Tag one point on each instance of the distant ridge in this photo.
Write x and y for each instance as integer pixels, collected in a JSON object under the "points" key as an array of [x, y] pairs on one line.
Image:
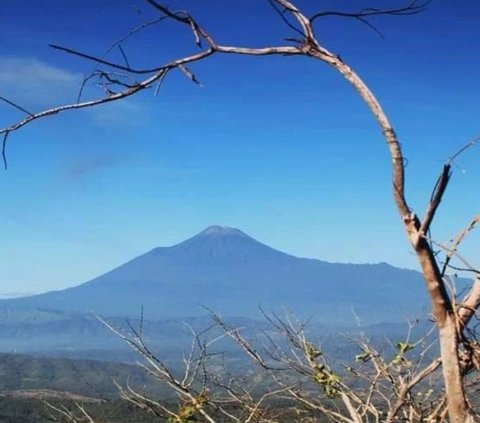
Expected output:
{"points": [[231, 272]]}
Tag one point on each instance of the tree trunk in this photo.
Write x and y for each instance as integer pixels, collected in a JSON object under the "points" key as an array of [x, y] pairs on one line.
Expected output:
{"points": [[446, 321], [454, 389], [443, 309]]}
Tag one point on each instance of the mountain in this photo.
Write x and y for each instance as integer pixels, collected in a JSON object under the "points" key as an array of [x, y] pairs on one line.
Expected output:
{"points": [[231, 273]]}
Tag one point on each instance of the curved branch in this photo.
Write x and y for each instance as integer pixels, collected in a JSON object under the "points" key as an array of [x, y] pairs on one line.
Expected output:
{"points": [[301, 18], [387, 129], [470, 144], [413, 8], [147, 83], [103, 61], [285, 20]]}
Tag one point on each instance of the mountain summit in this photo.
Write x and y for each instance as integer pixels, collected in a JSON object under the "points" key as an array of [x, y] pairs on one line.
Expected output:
{"points": [[218, 246], [230, 272], [217, 230]]}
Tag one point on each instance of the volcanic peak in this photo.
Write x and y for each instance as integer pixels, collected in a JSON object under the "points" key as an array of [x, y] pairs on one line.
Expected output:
{"points": [[218, 230]]}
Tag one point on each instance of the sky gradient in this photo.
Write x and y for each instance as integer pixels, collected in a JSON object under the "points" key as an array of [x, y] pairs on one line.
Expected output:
{"points": [[281, 148]]}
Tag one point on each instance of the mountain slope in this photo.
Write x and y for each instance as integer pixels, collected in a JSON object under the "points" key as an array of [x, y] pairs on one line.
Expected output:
{"points": [[232, 273], [85, 377]]}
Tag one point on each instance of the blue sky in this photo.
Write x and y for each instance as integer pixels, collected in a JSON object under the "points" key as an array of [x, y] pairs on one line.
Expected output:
{"points": [[281, 148]]}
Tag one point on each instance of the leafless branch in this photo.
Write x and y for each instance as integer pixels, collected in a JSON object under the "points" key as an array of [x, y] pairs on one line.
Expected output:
{"points": [[457, 241], [437, 196], [413, 8], [15, 105], [282, 14], [466, 147], [105, 62]]}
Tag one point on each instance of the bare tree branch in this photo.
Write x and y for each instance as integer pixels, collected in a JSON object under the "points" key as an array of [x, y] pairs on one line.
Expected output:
{"points": [[412, 8], [437, 196], [15, 105]]}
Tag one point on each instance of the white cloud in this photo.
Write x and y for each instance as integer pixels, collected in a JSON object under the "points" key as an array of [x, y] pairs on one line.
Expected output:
{"points": [[120, 113], [35, 85], [32, 82], [8, 295]]}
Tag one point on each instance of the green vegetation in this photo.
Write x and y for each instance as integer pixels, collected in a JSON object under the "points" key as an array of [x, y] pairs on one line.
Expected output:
{"points": [[28, 383], [31, 410], [85, 377]]}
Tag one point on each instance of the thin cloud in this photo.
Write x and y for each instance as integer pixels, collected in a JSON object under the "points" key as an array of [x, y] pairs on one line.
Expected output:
{"points": [[122, 113], [9, 295], [34, 83]]}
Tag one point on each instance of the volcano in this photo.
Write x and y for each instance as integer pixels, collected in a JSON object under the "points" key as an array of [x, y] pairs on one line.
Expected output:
{"points": [[230, 272]]}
